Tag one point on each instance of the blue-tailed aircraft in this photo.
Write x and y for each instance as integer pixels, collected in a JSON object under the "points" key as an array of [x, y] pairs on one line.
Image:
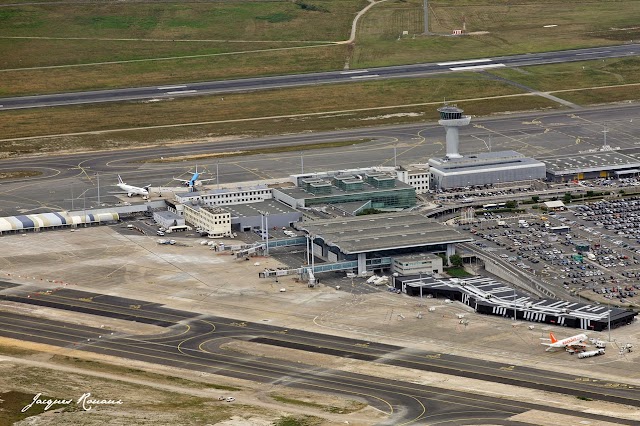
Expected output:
{"points": [[191, 183]]}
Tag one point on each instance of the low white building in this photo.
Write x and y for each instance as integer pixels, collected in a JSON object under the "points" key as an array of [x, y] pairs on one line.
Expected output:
{"points": [[226, 196], [416, 175], [167, 219], [216, 221], [423, 263]]}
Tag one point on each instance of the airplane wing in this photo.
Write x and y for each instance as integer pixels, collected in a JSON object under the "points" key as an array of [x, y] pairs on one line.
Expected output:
{"points": [[205, 180], [182, 180]]}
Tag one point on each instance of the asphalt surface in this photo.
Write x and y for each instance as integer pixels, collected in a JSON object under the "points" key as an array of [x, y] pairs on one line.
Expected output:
{"points": [[73, 177], [194, 341], [285, 81]]}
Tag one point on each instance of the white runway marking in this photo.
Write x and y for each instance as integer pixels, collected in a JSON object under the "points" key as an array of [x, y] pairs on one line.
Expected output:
{"points": [[180, 92], [354, 72], [470, 61]]}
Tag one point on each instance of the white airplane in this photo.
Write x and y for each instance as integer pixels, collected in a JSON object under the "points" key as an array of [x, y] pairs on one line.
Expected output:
{"points": [[133, 190], [570, 343], [191, 183]]}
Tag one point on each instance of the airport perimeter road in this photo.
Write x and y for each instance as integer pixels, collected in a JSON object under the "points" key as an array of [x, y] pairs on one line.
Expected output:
{"points": [[262, 83], [194, 341]]}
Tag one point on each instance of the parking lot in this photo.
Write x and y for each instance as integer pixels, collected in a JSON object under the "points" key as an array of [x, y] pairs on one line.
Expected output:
{"points": [[590, 250]]}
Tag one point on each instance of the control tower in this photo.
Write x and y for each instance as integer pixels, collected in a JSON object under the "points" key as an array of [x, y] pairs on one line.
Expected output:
{"points": [[451, 118]]}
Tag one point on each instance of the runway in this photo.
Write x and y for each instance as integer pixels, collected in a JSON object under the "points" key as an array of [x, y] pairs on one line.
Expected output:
{"points": [[70, 181], [286, 81], [194, 341]]}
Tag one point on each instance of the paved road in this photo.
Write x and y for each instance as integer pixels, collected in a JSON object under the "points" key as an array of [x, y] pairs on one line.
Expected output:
{"points": [[536, 134], [193, 341], [263, 83]]}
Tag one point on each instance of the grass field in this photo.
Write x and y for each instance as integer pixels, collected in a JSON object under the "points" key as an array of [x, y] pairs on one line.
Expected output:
{"points": [[20, 123], [84, 37], [398, 95], [313, 108], [511, 28], [575, 75], [65, 34], [16, 83], [136, 138]]}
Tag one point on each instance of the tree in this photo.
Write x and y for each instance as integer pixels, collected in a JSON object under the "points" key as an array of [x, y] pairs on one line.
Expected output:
{"points": [[455, 260], [511, 204], [567, 198], [535, 198]]}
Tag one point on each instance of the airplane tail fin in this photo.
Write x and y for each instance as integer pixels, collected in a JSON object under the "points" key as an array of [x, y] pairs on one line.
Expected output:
{"points": [[120, 179], [552, 337], [147, 187]]}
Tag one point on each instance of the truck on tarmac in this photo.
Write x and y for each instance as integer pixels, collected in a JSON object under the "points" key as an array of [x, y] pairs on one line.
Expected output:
{"points": [[589, 354]]}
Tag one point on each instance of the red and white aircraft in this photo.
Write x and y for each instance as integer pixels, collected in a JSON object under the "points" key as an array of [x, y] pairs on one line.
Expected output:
{"points": [[572, 343]]}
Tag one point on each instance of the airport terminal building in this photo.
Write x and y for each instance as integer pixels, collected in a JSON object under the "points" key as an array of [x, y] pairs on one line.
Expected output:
{"points": [[484, 168], [376, 239], [593, 165], [268, 213], [382, 189], [491, 297]]}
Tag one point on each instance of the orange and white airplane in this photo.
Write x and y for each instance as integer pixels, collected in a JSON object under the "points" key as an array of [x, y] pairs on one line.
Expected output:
{"points": [[570, 343]]}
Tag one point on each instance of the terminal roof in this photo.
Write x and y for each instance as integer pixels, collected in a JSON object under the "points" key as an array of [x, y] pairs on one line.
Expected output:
{"points": [[593, 162], [386, 231], [299, 193], [272, 207], [499, 294]]}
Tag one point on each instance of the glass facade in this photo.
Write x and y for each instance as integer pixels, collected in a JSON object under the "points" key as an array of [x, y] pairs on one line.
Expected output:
{"points": [[396, 198]]}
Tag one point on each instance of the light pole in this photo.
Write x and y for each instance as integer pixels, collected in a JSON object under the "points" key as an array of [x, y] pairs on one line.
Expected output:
{"points": [[395, 156], [514, 303], [217, 174], [301, 163], [98, 177], [266, 222], [609, 319]]}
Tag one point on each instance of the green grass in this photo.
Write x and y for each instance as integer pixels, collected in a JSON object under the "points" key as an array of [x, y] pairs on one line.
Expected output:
{"points": [[33, 81], [243, 153], [576, 75], [161, 30], [318, 100], [57, 34], [457, 272], [225, 20], [511, 28]]}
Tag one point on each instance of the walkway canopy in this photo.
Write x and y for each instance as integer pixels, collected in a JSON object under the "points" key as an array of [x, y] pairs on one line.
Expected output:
{"points": [[52, 220]]}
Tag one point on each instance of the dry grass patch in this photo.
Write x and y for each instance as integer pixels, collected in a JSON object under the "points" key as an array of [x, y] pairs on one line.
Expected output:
{"points": [[17, 174], [304, 100], [510, 28], [57, 80], [121, 31], [576, 75], [602, 95]]}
